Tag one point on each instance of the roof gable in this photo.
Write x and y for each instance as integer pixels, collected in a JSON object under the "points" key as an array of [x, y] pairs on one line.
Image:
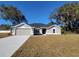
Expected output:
{"points": [[22, 25], [54, 27]]}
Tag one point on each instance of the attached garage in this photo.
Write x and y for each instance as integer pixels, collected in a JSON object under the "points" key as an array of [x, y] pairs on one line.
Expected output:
{"points": [[22, 29]]}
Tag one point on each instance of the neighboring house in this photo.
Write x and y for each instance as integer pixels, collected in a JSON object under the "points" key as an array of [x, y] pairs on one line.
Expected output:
{"points": [[35, 29], [4, 29], [56, 30]]}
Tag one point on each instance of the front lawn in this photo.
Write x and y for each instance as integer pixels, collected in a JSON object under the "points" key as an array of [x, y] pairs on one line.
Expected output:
{"points": [[50, 45], [2, 35]]}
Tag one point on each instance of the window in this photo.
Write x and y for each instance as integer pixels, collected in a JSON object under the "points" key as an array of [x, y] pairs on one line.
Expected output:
{"points": [[53, 30]]}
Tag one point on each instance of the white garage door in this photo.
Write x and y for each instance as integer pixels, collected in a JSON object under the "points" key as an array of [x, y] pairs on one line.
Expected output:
{"points": [[23, 31]]}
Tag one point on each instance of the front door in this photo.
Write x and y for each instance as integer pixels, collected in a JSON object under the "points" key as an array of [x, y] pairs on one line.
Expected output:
{"points": [[43, 31]]}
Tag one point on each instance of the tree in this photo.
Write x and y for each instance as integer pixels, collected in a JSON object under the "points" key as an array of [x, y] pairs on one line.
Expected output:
{"points": [[4, 27], [52, 23], [68, 14], [12, 14]]}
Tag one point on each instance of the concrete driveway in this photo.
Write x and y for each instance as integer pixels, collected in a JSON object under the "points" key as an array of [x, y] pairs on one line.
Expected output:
{"points": [[10, 44]]}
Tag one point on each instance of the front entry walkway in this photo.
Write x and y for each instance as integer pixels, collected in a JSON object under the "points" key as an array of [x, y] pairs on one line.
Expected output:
{"points": [[10, 44]]}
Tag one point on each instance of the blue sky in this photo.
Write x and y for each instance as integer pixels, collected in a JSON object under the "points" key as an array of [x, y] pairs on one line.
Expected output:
{"points": [[35, 12]]}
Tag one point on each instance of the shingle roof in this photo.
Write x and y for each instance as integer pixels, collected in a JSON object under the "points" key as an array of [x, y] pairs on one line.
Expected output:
{"points": [[38, 25]]}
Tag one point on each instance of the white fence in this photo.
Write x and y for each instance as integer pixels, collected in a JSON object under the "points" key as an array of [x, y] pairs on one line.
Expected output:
{"points": [[5, 31]]}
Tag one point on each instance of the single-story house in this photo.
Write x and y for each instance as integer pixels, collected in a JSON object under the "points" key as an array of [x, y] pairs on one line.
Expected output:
{"points": [[26, 29]]}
